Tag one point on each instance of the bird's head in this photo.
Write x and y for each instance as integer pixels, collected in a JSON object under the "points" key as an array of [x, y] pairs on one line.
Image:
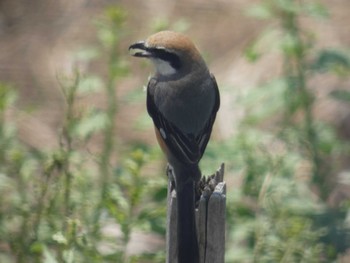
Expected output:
{"points": [[171, 52]]}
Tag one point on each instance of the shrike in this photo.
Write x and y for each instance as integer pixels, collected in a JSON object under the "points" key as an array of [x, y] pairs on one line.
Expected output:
{"points": [[182, 99]]}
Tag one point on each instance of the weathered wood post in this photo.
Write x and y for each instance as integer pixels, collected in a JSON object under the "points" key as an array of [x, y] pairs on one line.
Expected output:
{"points": [[210, 220]]}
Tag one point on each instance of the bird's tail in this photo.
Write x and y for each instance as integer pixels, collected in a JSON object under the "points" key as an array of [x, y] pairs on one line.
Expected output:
{"points": [[186, 177]]}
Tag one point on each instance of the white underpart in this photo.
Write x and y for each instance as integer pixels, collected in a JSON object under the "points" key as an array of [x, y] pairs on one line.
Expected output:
{"points": [[163, 67]]}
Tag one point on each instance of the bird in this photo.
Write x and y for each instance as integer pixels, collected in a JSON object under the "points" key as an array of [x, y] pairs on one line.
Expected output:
{"points": [[183, 100]]}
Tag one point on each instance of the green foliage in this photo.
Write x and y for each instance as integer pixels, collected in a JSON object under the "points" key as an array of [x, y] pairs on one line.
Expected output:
{"points": [[343, 95], [280, 212], [57, 204], [332, 60]]}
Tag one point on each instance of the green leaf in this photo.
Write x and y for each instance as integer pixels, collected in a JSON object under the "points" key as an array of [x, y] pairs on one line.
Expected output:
{"points": [[286, 6], [7, 96], [291, 45], [251, 53], [316, 9], [68, 255], [90, 124], [90, 84], [106, 36], [60, 238], [116, 15], [160, 194], [342, 95], [329, 59], [48, 256], [37, 247]]}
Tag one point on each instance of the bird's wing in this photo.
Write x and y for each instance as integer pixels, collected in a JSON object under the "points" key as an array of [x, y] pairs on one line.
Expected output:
{"points": [[182, 146], [186, 148], [203, 138]]}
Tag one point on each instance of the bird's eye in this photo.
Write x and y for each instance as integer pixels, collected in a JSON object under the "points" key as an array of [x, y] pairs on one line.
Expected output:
{"points": [[170, 57]]}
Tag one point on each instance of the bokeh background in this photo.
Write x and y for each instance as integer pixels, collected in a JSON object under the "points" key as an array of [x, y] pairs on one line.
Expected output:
{"points": [[81, 176]]}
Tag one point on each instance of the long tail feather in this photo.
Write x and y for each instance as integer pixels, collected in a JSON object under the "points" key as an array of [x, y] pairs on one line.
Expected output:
{"points": [[188, 251]]}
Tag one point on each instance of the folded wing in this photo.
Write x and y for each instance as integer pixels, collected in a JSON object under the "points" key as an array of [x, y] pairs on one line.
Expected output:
{"points": [[187, 148]]}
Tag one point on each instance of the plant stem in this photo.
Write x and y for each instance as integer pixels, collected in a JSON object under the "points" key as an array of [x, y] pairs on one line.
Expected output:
{"points": [[295, 70], [66, 147], [109, 132]]}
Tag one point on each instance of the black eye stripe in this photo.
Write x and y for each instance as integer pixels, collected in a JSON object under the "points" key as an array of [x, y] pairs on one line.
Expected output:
{"points": [[172, 58]]}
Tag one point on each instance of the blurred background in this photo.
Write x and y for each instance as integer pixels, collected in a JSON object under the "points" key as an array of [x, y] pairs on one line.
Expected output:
{"points": [[81, 176]]}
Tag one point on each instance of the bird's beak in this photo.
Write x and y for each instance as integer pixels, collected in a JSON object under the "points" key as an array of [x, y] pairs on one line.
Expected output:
{"points": [[139, 49]]}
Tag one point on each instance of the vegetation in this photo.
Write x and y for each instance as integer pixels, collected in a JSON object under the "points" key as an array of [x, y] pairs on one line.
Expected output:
{"points": [[280, 213], [58, 205]]}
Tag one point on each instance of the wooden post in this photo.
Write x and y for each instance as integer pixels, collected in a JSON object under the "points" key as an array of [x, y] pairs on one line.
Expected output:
{"points": [[171, 232], [210, 220]]}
